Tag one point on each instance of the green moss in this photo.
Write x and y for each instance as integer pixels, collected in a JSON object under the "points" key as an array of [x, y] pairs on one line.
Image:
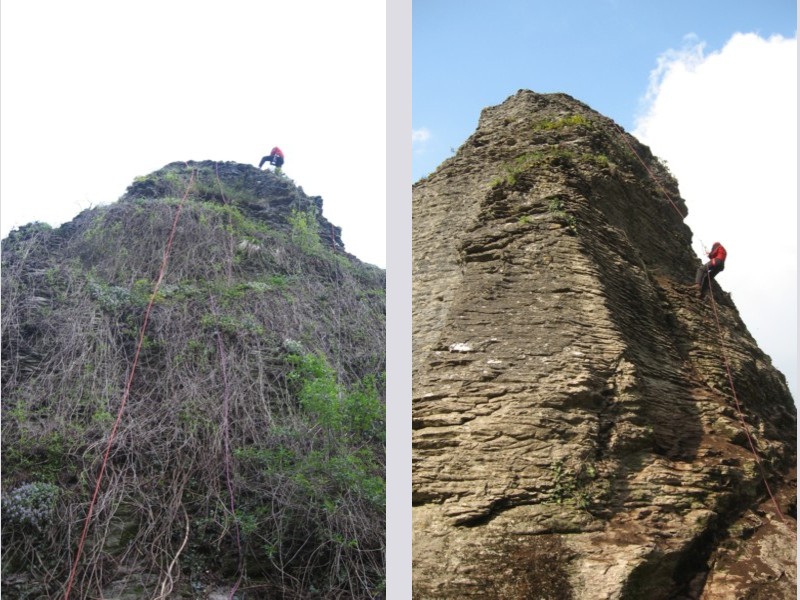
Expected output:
{"points": [[556, 208], [562, 122], [579, 487], [529, 160], [39, 457], [598, 159]]}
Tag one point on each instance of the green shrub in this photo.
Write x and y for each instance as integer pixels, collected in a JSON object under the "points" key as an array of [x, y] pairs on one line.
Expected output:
{"points": [[556, 207], [357, 411], [305, 231]]}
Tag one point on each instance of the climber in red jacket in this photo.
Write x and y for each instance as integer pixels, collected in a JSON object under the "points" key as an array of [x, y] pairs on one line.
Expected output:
{"points": [[275, 157], [709, 270]]}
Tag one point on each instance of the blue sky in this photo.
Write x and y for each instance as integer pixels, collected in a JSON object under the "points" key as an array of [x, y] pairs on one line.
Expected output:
{"points": [[470, 54], [710, 86]]}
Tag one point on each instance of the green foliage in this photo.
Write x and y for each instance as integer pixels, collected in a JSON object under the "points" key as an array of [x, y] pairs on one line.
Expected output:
{"points": [[102, 417], [305, 231], [19, 413], [563, 483], [358, 411], [322, 476], [599, 159], [111, 298], [233, 221], [163, 183], [522, 164], [569, 121], [578, 487], [529, 160], [142, 291], [41, 456], [308, 475], [665, 165], [555, 204], [556, 208], [319, 392], [209, 189], [241, 290], [178, 182], [29, 231], [350, 419], [278, 281], [323, 490]]}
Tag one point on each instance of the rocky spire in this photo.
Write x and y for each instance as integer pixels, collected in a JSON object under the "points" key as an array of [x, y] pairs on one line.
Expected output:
{"points": [[575, 431]]}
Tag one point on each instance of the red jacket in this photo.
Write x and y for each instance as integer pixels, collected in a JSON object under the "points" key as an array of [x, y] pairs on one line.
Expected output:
{"points": [[717, 254]]}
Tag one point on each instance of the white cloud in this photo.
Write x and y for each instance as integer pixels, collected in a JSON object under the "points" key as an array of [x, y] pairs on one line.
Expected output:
{"points": [[726, 122], [420, 135]]}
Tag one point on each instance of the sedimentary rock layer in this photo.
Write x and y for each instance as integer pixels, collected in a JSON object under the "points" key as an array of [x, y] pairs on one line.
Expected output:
{"points": [[575, 430]]}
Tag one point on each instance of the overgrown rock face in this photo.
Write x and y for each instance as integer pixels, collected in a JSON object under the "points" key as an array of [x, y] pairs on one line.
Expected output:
{"points": [[575, 432], [251, 447]]}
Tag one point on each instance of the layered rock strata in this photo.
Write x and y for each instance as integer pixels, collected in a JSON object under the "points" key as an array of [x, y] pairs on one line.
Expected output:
{"points": [[575, 431]]}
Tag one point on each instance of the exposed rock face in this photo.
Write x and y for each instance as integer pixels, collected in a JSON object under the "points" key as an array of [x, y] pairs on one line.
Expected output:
{"points": [[575, 433]]}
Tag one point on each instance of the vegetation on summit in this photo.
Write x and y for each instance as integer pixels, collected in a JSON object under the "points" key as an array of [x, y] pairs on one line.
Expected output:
{"points": [[263, 359]]}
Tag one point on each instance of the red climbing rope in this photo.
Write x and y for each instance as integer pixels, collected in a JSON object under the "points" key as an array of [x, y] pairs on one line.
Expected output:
{"points": [[722, 347], [126, 394], [739, 409], [652, 175]]}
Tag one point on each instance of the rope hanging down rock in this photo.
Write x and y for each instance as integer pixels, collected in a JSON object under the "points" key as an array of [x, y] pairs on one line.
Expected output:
{"points": [[721, 346], [112, 435]]}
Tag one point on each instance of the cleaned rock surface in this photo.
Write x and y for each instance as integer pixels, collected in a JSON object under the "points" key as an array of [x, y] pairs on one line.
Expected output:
{"points": [[576, 434]]}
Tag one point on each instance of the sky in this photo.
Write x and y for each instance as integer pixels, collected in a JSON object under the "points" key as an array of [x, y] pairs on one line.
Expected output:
{"points": [[710, 86], [96, 93]]}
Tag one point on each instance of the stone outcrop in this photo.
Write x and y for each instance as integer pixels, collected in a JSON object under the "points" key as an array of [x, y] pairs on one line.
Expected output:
{"points": [[576, 434]]}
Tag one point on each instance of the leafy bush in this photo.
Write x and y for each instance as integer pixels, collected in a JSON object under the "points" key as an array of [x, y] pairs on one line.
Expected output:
{"points": [[305, 231], [317, 492], [556, 208], [357, 411]]}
